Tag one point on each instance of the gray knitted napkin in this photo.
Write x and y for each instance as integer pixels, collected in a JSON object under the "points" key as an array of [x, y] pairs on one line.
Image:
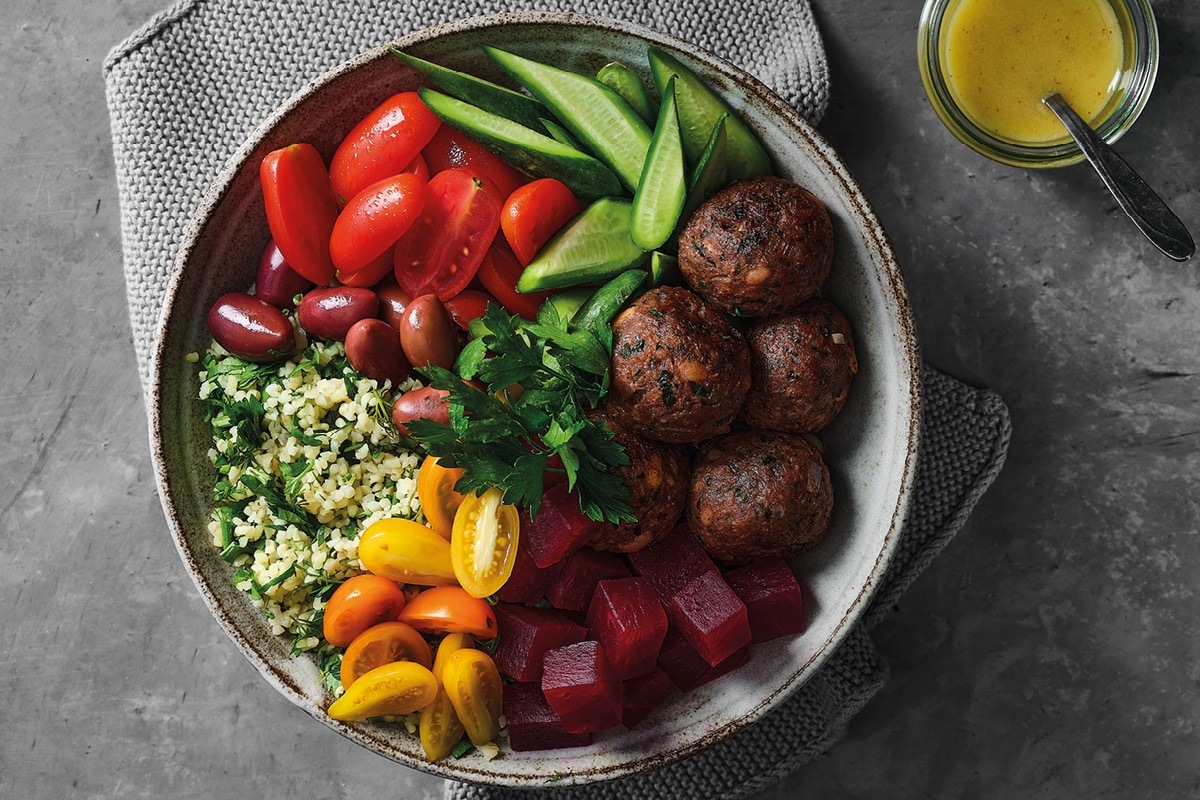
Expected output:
{"points": [[192, 84]]}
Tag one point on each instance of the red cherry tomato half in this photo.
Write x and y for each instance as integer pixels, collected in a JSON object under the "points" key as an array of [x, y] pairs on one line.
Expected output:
{"points": [[300, 209], [384, 143], [374, 219], [533, 213], [449, 149], [468, 304], [499, 273], [441, 252]]}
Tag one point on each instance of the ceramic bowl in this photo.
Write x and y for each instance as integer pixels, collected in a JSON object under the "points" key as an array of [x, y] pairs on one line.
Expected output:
{"points": [[872, 446]]}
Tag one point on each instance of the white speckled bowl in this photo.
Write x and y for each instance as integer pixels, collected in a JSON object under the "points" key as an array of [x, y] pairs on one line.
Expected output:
{"points": [[871, 447]]}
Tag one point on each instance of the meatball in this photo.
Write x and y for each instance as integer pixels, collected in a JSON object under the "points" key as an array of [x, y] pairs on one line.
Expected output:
{"points": [[758, 493], [680, 370], [758, 247], [801, 368], [657, 478]]}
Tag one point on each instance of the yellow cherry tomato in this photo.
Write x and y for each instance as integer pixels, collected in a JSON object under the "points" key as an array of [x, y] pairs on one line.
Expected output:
{"points": [[382, 644], [472, 682], [439, 726], [449, 609], [406, 551], [483, 544], [435, 490], [401, 687]]}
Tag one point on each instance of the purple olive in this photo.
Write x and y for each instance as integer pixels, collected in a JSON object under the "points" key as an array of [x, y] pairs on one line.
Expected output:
{"points": [[428, 333], [329, 312], [250, 328], [277, 282], [373, 348], [425, 403], [392, 302]]}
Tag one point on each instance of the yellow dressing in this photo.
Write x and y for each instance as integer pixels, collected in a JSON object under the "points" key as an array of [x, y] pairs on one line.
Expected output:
{"points": [[1003, 56]]}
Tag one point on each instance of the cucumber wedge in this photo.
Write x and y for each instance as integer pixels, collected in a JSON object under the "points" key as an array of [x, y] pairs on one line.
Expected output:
{"points": [[559, 133], [568, 301], [662, 190], [524, 148], [625, 82], [664, 270], [520, 108], [596, 115], [711, 172], [604, 303], [593, 247], [699, 109]]}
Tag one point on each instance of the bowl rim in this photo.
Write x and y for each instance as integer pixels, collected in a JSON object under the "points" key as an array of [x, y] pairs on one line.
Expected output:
{"points": [[890, 279]]}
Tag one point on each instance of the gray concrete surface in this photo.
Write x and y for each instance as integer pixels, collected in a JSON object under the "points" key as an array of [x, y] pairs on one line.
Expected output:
{"points": [[1050, 652]]}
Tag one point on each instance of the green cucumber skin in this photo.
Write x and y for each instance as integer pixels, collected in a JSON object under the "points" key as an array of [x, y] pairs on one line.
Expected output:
{"points": [[593, 247], [625, 82], [664, 270], [580, 103], [602, 306], [492, 97], [526, 149], [567, 302], [661, 192], [711, 172]]}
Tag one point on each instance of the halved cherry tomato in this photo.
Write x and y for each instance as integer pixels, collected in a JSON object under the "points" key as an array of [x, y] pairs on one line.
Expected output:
{"points": [[499, 273], [472, 682], [382, 644], [407, 552], [435, 490], [534, 213], [441, 252], [439, 726], [449, 609], [382, 144], [300, 209], [372, 274], [374, 219], [449, 149], [483, 543], [359, 603], [400, 687]]}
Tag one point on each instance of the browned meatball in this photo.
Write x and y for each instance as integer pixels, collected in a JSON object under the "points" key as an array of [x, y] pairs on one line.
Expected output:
{"points": [[759, 493], [758, 247], [802, 365], [680, 370], [657, 477]]}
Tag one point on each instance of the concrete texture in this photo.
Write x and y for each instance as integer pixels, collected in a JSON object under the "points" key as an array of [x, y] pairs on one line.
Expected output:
{"points": [[1051, 651]]}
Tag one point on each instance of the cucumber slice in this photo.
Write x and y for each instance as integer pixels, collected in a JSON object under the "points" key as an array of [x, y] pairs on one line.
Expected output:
{"points": [[711, 172], [661, 192], [625, 82], [592, 112], [664, 270], [699, 109], [520, 108], [560, 134], [524, 148], [568, 301], [604, 303], [593, 247]]}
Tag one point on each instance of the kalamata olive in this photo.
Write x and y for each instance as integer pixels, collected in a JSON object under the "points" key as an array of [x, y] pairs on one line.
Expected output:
{"points": [[330, 311], [250, 327], [277, 283], [424, 403], [373, 348], [392, 302], [428, 334]]}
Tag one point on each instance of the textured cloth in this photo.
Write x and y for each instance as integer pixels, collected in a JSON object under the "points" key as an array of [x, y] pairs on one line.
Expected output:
{"points": [[192, 84]]}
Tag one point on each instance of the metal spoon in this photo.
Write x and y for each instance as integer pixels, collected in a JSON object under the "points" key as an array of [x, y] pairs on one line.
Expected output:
{"points": [[1144, 207]]}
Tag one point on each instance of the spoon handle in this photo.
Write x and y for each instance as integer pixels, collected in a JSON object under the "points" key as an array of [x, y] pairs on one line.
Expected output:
{"points": [[1144, 207]]}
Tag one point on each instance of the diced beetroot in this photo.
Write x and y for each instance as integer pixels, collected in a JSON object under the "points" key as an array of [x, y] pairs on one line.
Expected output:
{"points": [[644, 694], [582, 688], [526, 633], [529, 582], [581, 571], [673, 561], [532, 723], [773, 598], [685, 666], [710, 616], [559, 529], [626, 617]]}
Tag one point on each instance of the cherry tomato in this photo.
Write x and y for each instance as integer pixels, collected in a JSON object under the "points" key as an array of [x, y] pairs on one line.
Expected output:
{"points": [[533, 213], [382, 144], [407, 552], [483, 542], [499, 273], [449, 149], [435, 490], [472, 682], [469, 304], [359, 603], [449, 609], [441, 252], [418, 167], [400, 687], [372, 274], [382, 644], [439, 726], [374, 219], [300, 209]]}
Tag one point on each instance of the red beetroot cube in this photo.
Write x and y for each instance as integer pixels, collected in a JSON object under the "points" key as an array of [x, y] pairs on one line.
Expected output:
{"points": [[673, 561], [581, 571], [710, 616], [687, 669], [773, 598], [582, 688], [626, 617], [529, 582], [559, 529], [526, 633], [532, 723], [644, 694]]}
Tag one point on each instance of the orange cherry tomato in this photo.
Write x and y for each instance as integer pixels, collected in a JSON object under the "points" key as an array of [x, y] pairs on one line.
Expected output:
{"points": [[499, 273], [439, 727], [407, 552], [359, 603], [300, 209], [450, 149], [400, 687], [472, 682], [449, 609], [384, 143], [435, 490], [533, 213], [382, 644], [483, 542], [374, 219]]}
